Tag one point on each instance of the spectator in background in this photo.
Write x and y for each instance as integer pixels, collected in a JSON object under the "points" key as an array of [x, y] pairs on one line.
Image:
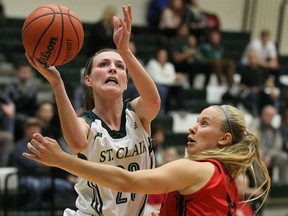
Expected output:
{"points": [[34, 177], [101, 33], [171, 17], [170, 154], [7, 111], [255, 93], [186, 57], [267, 52], [272, 152], [46, 117], [154, 10], [165, 76], [214, 54], [158, 136], [23, 93], [196, 20]]}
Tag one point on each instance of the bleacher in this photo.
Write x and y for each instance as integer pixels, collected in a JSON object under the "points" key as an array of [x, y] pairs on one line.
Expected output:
{"points": [[147, 42]]}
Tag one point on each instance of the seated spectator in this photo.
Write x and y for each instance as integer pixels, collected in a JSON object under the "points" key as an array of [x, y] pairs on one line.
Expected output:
{"points": [[23, 94], [7, 111], [170, 154], [214, 54], [158, 135], [186, 57], [47, 120], [154, 10], [253, 93], [272, 152], [267, 52], [101, 32], [35, 178], [196, 20], [171, 17], [165, 76]]}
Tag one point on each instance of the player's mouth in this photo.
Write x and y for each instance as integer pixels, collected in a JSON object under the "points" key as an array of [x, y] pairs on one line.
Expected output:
{"points": [[111, 79], [190, 140]]}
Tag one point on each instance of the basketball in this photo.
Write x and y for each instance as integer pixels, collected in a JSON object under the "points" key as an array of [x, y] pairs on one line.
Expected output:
{"points": [[53, 34]]}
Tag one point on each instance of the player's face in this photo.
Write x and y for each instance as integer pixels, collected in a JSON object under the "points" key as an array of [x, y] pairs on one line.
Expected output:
{"points": [[108, 73], [205, 134]]}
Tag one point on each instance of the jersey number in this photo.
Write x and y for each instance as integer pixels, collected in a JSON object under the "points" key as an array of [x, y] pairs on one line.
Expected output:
{"points": [[119, 198]]}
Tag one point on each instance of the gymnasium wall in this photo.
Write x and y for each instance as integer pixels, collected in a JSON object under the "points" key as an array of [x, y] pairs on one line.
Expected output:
{"points": [[90, 10], [234, 15]]}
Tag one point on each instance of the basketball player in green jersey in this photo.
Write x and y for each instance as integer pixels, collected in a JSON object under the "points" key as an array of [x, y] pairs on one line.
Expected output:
{"points": [[111, 131]]}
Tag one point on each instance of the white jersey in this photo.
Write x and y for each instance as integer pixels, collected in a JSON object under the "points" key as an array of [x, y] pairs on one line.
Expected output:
{"points": [[129, 148]]}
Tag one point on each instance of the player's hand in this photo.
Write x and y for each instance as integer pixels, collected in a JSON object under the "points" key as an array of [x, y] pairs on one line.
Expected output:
{"points": [[50, 73], [44, 150], [122, 29]]}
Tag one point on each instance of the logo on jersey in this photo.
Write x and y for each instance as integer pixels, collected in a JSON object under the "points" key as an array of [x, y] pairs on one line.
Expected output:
{"points": [[135, 125], [98, 134], [124, 152]]}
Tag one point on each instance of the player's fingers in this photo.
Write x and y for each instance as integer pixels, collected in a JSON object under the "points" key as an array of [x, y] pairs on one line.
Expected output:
{"points": [[31, 156], [38, 137], [32, 148], [123, 25], [127, 18], [116, 23], [130, 12]]}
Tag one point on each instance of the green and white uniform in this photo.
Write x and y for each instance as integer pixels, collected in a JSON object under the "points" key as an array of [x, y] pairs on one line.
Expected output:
{"points": [[129, 148]]}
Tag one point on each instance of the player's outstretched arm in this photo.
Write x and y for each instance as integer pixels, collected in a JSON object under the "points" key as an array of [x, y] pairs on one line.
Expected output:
{"points": [[160, 180], [147, 105]]}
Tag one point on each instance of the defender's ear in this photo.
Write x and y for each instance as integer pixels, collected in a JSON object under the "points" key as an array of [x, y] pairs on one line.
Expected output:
{"points": [[226, 139]]}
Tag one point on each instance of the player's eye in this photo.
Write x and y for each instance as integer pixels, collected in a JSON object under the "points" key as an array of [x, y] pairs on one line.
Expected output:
{"points": [[103, 64], [121, 66]]}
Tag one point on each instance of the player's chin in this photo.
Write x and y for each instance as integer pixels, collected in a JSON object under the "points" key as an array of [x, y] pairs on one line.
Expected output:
{"points": [[191, 149]]}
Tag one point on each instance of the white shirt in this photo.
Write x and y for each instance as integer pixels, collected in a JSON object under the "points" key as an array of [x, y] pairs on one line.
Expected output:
{"points": [[264, 52], [165, 75]]}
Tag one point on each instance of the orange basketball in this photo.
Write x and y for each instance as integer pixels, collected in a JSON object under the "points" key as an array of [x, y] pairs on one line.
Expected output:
{"points": [[53, 34]]}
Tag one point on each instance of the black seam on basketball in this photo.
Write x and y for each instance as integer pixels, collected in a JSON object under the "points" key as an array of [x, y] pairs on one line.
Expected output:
{"points": [[44, 32], [62, 33], [76, 33], [52, 13], [43, 15]]}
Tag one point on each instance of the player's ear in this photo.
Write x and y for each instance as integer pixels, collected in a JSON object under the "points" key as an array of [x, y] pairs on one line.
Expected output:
{"points": [[88, 81], [226, 139]]}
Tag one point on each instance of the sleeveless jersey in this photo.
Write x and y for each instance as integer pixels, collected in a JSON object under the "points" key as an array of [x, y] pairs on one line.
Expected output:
{"points": [[217, 198], [130, 148]]}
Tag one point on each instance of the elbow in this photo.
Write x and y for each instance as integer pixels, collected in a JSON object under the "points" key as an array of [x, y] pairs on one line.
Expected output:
{"points": [[77, 145], [156, 103], [77, 149]]}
